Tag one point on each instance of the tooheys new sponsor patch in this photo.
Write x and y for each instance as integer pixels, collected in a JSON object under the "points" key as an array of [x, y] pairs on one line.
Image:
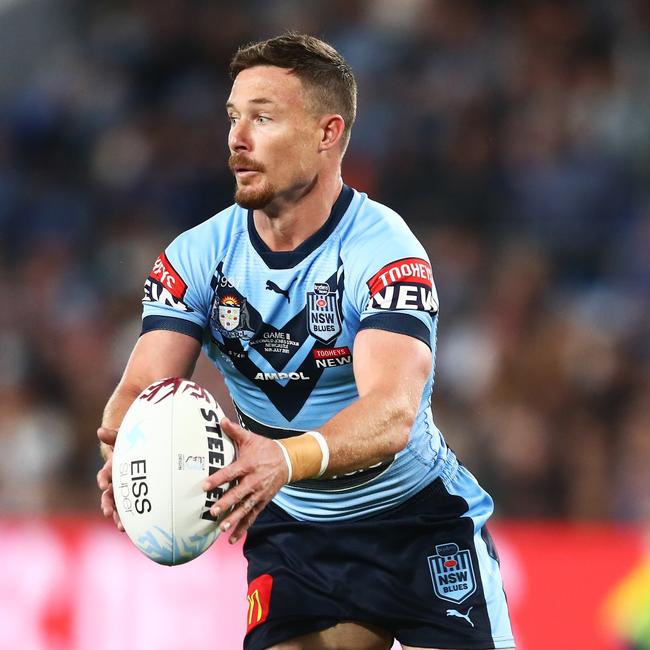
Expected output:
{"points": [[165, 285], [404, 284]]}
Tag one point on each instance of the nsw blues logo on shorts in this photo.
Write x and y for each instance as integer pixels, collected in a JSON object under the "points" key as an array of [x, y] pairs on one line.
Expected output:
{"points": [[452, 573]]}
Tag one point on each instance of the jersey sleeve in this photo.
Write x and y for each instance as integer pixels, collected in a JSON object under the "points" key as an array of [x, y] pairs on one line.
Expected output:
{"points": [[176, 293], [393, 284]]}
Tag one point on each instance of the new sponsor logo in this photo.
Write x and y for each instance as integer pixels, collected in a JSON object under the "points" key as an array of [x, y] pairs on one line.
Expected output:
{"points": [[166, 275], [405, 296], [452, 573], [404, 284], [259, 598], [323, 318], [332, 357]]}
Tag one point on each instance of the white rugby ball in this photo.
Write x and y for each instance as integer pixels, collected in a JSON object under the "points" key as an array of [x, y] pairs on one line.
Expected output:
{"points": [[170, 441]]}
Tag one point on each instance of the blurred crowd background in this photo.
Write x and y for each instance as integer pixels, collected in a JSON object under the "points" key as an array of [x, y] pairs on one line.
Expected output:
{"points": [[513, 137]]}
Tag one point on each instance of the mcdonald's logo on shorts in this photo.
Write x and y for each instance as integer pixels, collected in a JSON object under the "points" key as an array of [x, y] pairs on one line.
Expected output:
{"points": [[259, 597]]}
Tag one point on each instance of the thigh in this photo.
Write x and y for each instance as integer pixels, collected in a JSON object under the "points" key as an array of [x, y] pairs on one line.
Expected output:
{"points": [[344, 636]]}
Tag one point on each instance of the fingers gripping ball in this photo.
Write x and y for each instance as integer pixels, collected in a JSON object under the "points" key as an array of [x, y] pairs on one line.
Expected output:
{"points": [[169, 443]]}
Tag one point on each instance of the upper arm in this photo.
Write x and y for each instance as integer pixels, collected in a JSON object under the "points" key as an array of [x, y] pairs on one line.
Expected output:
{"points": [[393, 293], [159, 354], [176, 308], [395, 365]]}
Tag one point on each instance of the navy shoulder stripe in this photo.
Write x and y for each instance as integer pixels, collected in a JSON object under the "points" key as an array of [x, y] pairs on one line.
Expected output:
{"points": [[399, 323], [171, 324]]}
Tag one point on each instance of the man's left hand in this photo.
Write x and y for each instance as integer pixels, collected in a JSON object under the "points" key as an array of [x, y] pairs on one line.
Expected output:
{"points": [[260, 470]]}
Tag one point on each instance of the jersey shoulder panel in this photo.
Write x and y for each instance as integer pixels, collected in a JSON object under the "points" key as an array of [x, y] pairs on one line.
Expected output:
{"points": [[179, 283], [387, 268]]}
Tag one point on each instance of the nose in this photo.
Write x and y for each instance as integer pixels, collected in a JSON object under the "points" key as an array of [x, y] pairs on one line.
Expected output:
{"points": [[239, 137]]}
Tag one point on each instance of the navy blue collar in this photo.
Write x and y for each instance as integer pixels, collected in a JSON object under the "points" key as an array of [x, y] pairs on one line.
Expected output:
{"points": [[288, 259]]}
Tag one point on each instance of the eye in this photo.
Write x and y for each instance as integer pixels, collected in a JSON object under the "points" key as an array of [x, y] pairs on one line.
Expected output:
{"points": [[232, 119], [263, 119]]}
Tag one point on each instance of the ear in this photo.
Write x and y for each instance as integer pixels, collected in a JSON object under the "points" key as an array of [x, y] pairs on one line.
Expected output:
{"points": [[331, 128]]}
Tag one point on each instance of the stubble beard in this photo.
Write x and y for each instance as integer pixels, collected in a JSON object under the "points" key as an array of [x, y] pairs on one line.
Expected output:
{"points": [[255, 199], [246, 195]]}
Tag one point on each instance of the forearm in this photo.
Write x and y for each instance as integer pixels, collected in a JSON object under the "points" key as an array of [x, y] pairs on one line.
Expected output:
{"points": [[116, 407], [369, 431], [118, 404], [376, 426], [156, 355]]}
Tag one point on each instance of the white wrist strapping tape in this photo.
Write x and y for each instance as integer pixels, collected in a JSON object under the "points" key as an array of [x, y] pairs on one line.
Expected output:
{"points": [[322, 443], [285, 453]]}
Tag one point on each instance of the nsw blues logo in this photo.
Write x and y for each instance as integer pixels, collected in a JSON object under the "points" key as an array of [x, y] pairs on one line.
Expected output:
{"points": [[323, 317], [452, 573]]}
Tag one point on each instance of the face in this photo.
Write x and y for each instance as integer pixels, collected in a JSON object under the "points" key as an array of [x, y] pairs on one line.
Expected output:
{"points": [[274, 137]]}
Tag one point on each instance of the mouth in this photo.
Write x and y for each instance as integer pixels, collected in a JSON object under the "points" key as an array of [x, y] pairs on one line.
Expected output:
{"points": [[242, 168], [244, 172]]}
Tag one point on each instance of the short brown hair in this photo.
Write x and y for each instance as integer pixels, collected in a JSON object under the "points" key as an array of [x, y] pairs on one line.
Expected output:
{"points": [[316, 63]]}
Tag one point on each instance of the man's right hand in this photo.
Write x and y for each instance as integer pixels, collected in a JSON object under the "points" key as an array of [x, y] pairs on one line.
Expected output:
{"points": [[104, 476]]}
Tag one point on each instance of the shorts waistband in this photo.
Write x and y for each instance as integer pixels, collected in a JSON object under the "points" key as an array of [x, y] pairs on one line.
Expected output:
{"points": [[449, 468]]}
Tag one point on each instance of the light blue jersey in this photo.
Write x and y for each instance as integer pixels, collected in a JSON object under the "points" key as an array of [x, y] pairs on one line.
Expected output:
{"points": [[280, 326]]}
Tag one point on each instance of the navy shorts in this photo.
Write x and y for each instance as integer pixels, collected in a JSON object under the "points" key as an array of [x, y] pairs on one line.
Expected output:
{"points": [[426, 571]]}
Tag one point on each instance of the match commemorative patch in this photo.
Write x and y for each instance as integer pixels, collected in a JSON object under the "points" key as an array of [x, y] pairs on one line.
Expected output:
{"points": [[452, 573], [404, 284]]}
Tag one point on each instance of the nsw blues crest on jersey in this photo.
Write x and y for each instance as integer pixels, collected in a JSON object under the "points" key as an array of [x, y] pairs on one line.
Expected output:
{"points": [[452, 573], [323, 316]]}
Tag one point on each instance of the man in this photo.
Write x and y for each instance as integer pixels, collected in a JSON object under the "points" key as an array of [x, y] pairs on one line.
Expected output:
{"points": [[318, 307]]}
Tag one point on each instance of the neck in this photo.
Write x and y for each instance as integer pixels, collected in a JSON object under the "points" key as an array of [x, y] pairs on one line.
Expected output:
{"points": [[292, 218]]}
